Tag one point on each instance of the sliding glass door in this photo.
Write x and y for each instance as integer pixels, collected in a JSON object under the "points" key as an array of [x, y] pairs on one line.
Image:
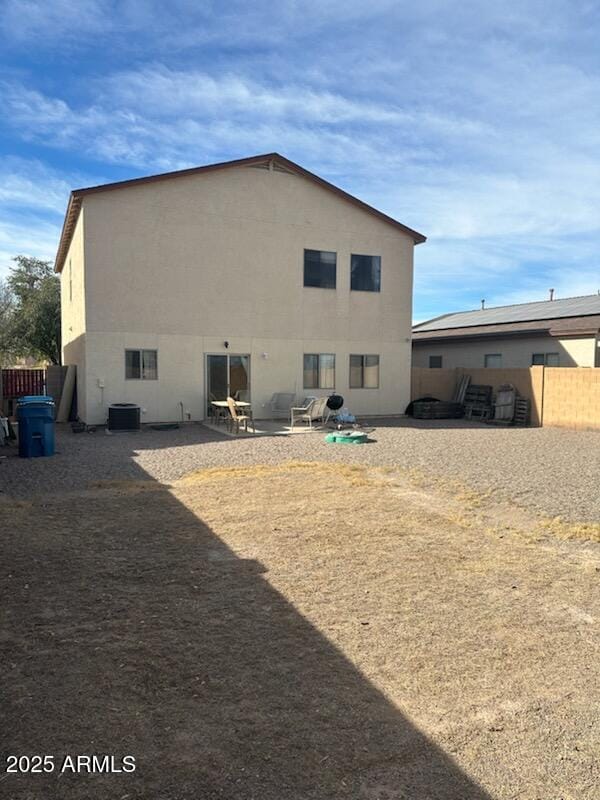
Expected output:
{"points": [[227, 376]]}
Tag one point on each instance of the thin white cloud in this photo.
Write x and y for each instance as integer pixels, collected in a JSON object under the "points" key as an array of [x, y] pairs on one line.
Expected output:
{"points": [[31, 185], [23, 20], [27, 235], [33, 199]]}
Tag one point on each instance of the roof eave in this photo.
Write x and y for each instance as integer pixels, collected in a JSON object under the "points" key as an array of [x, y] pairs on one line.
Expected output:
{"points": [[66, 235], [466, 336]]}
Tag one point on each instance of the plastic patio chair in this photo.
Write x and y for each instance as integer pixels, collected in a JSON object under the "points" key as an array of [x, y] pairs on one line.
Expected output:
{"points": [[314, 409], [237, 418]]}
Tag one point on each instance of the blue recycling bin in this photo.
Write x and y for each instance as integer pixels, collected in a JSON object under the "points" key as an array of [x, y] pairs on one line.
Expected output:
{"points": [[35, 415]]}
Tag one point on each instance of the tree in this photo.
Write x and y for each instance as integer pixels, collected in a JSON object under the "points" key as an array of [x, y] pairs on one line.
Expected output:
{"points": [[6, 310], [33, 317]]}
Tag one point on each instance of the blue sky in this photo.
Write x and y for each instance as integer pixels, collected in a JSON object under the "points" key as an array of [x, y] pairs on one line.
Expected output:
{"points": [[476, 123]]}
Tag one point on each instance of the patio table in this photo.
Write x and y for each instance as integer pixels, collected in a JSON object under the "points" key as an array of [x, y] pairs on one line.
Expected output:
{"points": [[221, 405]]}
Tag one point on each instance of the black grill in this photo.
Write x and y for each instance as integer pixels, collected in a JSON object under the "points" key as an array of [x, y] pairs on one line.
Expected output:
{"points": [[335, 402]]}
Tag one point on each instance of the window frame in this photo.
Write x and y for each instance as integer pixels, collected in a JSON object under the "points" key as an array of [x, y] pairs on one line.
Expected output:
{"points": [[436, 366], [365, 255], [492, 355], [140, 351], [312, 285], [318, 356], [363, 357], [544, 357]]}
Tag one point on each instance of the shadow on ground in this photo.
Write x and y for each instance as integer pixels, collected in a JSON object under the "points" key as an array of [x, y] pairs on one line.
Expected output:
{"points": [[131, 629]]}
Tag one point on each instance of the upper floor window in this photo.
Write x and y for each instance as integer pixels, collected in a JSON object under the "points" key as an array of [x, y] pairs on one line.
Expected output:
{"points": [[545, 359], [319, 269], [493, 360], [435, 362], [364, 372], [141, 365], [319, 371], [365, 273]]}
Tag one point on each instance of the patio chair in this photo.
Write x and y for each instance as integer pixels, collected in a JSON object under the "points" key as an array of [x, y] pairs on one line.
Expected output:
{"points": [[314, 409], [281, 403], [237, 418]]}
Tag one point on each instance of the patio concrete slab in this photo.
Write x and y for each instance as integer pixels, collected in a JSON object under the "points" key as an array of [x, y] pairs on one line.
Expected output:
{"points": [[269, 427]]}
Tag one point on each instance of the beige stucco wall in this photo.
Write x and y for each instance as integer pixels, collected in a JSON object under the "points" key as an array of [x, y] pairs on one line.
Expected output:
{"points": [[73, 316], [181, 369], [183, 265], [516, 351], [579, 351]]}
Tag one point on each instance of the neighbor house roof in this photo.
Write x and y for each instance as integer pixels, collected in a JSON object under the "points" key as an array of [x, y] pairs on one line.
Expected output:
{"points": [[272, 160], [572, 326], [570, 316]]}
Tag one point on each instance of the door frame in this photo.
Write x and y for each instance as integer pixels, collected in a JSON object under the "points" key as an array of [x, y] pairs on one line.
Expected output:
{"points": [[228, 355]]}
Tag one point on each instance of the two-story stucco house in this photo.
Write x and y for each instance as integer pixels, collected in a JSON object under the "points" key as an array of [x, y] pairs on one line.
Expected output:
{"points": [[250, 277]]}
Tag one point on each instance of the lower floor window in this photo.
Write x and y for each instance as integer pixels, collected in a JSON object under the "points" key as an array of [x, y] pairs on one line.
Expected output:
{"points": [[435, 362], [319, 371], [141, 365], [545, 360], [364, 372]]}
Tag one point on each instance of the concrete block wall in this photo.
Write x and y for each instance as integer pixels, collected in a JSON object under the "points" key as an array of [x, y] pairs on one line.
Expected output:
{"points": [[562, 396], [572, 398]]}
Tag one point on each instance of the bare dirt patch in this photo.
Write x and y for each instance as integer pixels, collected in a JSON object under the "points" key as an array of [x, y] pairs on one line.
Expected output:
{"points": [[300, 631]]}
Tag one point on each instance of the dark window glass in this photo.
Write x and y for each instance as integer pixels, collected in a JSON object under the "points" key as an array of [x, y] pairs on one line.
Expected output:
{"points": [[319, 269], [311, 371], [492, 360], [326, 371], [365, 273], [435, 362], [132, 364], [149, 365], [356, 372], [319, 371], [547, 359], [364, 372], [141, 364]]}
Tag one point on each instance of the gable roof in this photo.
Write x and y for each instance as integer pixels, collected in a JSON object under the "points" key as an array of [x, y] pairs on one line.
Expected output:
{"points": [[269, 160], [585, 305]]}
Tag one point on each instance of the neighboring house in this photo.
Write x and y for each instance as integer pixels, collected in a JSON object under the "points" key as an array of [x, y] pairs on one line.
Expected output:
{"points": [[249, 277], [554, 333]]}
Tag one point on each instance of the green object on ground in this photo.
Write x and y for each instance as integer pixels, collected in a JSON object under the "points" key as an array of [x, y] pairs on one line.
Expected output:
{"points": [[345, 437]]}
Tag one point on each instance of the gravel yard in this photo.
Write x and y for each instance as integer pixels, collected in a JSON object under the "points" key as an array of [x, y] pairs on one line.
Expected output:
{"points": [[308, 631], [551, 471]]}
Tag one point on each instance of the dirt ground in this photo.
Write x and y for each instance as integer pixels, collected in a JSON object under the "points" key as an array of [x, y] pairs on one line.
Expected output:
{"points": [[299, 631]]}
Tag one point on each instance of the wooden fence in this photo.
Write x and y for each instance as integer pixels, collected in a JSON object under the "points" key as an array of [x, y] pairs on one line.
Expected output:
{"points": [[15, 383], [21, 382]]}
